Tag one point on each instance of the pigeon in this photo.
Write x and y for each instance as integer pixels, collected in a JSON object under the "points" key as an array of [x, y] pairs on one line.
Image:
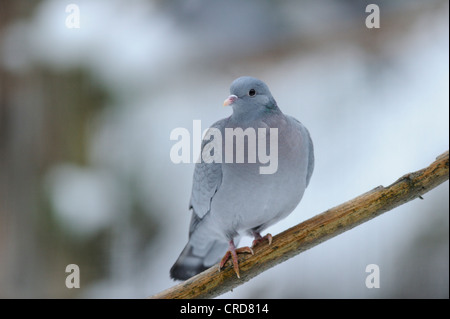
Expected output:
{"points": [[242, 193]]}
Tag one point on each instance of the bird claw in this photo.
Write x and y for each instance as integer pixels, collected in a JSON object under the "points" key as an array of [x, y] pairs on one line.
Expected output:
{"points": [[259, 239], [232, 252]]}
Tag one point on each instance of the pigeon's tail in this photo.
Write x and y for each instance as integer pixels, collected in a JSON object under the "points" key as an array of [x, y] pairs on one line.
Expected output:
{"points": [[193, 260]]}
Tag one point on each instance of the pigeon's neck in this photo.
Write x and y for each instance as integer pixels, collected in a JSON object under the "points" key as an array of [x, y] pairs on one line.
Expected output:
{"points": [[251, 112], [248, 118]]}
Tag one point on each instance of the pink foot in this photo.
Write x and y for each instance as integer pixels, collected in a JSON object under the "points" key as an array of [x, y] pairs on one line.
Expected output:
{"points": [[259, 239], [232, 252]]}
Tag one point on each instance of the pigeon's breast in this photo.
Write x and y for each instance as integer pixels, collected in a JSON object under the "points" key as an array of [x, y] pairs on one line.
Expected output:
{"points": [[249, 198]]}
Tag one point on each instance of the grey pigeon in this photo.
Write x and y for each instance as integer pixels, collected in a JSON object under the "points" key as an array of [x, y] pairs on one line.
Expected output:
{"points": [[230, 198]]}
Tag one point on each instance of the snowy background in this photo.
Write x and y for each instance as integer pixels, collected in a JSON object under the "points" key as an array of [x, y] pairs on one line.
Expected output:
{"points": [[86, 114]]}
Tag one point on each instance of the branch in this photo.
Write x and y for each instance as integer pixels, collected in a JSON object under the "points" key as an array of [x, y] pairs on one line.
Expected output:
{"points": [[313, 231]]}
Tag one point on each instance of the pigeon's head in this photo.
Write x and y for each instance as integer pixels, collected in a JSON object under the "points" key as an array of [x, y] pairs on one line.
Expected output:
{"points": [[250, 95]]}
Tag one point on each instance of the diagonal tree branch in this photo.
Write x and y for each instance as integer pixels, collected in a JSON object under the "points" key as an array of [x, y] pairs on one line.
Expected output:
{"points": [[313, 231]]}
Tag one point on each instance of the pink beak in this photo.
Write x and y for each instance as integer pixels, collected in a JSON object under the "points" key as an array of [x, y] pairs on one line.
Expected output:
{"points": [[230, 100]]}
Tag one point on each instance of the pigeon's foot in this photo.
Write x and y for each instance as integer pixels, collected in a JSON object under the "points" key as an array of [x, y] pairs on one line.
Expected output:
{"points": [[259, 239], [232, 252]]}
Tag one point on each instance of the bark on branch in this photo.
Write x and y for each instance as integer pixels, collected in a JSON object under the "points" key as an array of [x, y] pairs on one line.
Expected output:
{"points": [[313, 231]]}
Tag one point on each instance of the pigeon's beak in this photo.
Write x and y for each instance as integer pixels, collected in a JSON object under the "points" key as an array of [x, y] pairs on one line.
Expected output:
{"points": [[230, 100]]}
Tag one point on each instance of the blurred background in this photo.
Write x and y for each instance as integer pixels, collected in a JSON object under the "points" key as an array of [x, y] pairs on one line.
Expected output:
{"points": [[86, 114]]}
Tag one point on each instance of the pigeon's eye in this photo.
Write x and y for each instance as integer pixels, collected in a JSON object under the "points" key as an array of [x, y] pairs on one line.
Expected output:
{"points": [[252, 92]]}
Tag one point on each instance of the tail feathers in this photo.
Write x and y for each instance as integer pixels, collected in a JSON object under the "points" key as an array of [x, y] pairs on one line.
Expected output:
{"points": [[187, 265], [192, 262]]}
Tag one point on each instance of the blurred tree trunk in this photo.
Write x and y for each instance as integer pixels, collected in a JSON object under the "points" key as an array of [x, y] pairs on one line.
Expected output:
{"points": [[19, 143], [43, 121]]}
